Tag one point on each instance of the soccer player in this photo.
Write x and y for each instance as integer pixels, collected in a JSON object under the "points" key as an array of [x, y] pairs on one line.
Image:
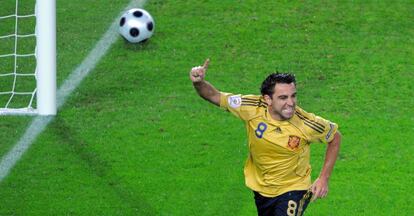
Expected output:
{"points": [[279, 134]]}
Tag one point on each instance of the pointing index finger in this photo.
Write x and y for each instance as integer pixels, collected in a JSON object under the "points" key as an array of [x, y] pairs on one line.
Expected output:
{"points": [[205, 65]]}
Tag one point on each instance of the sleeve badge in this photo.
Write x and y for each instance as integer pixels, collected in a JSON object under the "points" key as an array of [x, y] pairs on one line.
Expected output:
{"points": [[234, 101]]}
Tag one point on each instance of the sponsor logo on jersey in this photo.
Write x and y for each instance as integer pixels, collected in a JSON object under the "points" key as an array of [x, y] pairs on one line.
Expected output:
{"points": [[293, 142], [234, 101]]}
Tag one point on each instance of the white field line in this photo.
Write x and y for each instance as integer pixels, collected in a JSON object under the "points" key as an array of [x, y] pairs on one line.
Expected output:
{"points": [[39, 123]]}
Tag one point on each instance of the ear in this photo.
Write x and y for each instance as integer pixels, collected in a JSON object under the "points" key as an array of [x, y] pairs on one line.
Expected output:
{"points": [[268, 99]]}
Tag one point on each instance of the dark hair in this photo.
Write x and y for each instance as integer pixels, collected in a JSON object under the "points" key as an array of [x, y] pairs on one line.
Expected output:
{"points": [[268, 85]]}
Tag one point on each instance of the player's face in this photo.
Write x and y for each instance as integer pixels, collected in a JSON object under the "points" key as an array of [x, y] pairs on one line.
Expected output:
{"points": [[283, 102]]}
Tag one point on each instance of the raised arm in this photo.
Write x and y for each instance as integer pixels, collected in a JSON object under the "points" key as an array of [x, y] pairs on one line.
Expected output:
{"points": [[204, 88]]}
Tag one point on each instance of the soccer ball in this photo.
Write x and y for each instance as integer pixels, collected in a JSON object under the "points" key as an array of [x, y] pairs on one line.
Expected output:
{"points": [[136, 25]]}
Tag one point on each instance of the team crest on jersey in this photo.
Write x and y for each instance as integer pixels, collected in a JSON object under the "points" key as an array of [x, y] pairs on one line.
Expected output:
{"points": [[293, 142], [235, 101]]}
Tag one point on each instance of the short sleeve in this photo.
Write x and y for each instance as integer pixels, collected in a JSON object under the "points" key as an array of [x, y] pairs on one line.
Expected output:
{"points": [[244, 107], [319, 129]]}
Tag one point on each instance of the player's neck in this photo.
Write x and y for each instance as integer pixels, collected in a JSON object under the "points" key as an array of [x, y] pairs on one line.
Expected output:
{"points": [[274, 115]]}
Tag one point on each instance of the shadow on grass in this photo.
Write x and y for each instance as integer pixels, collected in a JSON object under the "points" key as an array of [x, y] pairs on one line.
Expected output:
{"points": [[101, 168]]}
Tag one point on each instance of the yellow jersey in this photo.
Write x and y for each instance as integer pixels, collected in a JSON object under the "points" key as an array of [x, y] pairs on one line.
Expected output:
{"points": [[279, 151]]}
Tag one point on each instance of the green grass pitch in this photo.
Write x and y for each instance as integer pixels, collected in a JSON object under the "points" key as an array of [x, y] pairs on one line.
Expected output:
{"points": [[135, 139]]}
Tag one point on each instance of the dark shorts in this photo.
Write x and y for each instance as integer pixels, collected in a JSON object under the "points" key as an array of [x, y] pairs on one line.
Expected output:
{"points": [[292, 203]]}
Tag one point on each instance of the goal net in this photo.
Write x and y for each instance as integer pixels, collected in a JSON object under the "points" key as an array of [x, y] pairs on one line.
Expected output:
{"points": [[28, 57]]}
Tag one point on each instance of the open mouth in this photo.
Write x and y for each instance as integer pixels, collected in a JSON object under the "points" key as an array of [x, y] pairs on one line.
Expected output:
{"points": [[288, 111]]}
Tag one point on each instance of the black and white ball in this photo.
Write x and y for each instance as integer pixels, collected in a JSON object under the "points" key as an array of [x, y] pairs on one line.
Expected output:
{"points": [[136, 25]]}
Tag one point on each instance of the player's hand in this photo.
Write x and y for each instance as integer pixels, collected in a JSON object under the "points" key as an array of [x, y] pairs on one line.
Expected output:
{"points": [[198, 73], [319, 188]]}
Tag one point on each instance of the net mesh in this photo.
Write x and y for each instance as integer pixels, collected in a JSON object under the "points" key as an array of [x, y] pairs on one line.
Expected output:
{"points": [[17, 57]]}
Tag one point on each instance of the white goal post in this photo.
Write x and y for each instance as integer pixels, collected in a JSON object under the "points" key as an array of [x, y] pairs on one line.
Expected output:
{"points": [[45, 55]]}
